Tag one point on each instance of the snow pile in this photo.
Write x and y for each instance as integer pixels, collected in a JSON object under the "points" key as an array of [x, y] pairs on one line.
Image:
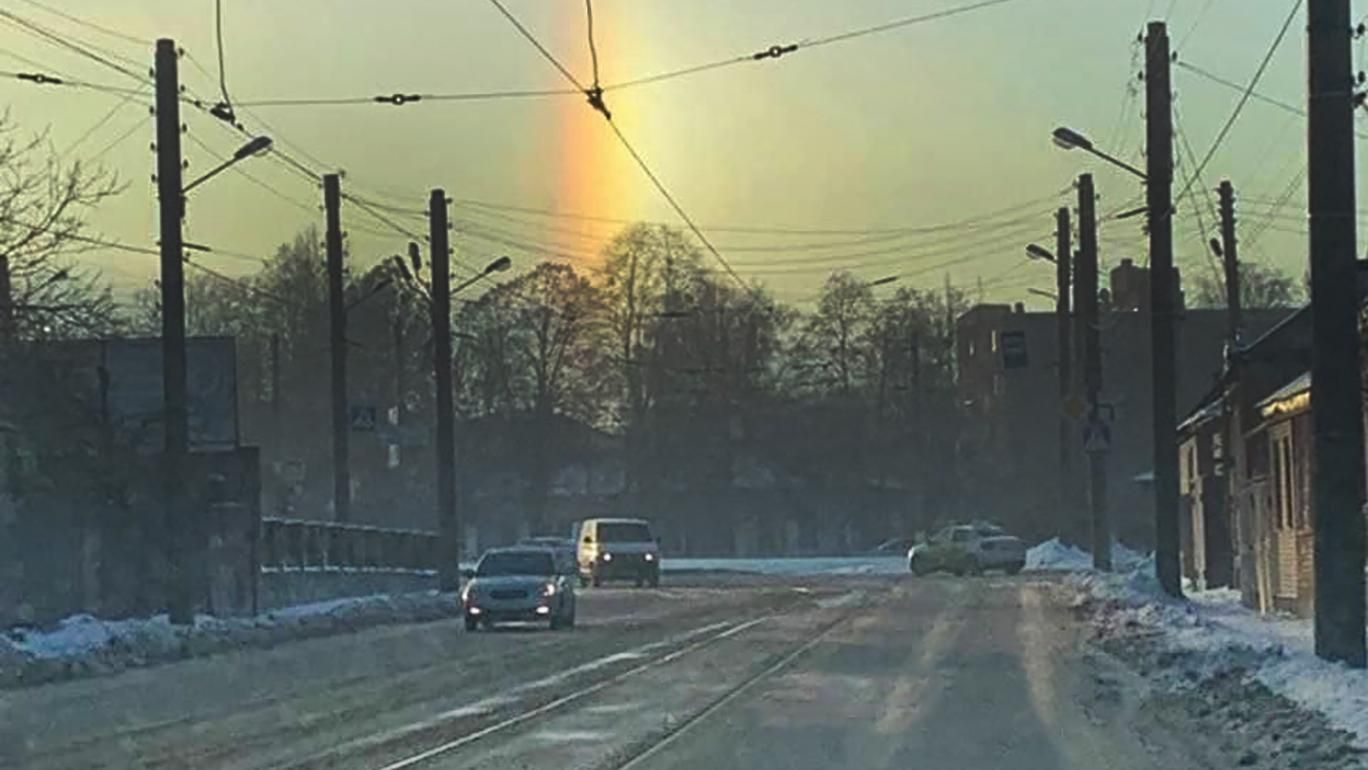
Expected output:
{"points": [[82, 645], [1055, 555], [797, 566], [1210, 635]]}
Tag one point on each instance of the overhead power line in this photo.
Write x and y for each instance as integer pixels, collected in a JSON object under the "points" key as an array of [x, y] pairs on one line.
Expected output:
{"points": [[1254, 94], [782, 231], [87, 50], [641, 162], [401, 98], [779, 50], [44, 79], [92, 25], [1244, 97]]}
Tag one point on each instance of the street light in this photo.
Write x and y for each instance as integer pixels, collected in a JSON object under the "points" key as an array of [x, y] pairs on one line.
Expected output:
{"points": [[1039, 252], [497, 266], [1042, 293], [1068, 139], [256, 145]]}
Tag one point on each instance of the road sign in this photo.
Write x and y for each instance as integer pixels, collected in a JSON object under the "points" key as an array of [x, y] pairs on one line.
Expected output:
{"points": [[1013, 349], [1074, 407], [363, 418], [1096, 435]]}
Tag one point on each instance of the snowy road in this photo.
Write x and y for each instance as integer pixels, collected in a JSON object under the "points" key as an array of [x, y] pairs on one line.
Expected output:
{"points": [[843, 671], [962, 674]]}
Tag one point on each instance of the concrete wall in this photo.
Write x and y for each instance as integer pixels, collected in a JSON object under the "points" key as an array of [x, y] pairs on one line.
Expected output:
{"points": [[279, 588]]}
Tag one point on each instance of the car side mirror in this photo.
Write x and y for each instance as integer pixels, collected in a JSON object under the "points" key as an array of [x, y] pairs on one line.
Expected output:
{"points": [[468, 573], [587, 541]]}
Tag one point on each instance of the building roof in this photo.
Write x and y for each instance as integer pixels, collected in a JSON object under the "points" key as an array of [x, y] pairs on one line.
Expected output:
{"points": [[1295, 396], [1275, 328], [1210, 407]]}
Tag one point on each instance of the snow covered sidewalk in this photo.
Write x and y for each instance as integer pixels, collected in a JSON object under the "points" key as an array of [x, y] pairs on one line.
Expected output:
{"points": [[83, 645], [1259, 674]]}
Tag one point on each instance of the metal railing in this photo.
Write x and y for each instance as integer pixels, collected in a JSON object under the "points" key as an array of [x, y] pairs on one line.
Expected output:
{"points": [[298, 545]]}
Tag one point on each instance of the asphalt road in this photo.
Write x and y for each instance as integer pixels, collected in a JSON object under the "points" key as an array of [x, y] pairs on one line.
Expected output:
{"points": [[942, 673], [854, 672]]}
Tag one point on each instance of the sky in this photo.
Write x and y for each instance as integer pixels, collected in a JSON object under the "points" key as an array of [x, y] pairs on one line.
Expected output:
{"points": [[947, 121]]}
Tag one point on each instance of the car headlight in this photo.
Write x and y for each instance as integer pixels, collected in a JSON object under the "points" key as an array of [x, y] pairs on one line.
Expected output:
{"points": [[549, 589], [607, 557], [650, 557]]}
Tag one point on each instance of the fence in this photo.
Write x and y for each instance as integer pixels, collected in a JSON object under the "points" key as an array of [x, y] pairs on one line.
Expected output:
{"points": [[294, 545]]}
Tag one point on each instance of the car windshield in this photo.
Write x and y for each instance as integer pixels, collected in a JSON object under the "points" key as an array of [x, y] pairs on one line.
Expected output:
{"points": [[505, 563], [624, 532]]}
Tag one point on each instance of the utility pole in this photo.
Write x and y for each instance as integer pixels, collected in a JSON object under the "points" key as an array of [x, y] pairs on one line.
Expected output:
{"points": [[275, 383], [1337, 476], [1159, 202], [1220, 561], [1231, 261], [1063, 342], [1086, 283], [448, 527], [337, 346], [177, 526], [6, 302]]}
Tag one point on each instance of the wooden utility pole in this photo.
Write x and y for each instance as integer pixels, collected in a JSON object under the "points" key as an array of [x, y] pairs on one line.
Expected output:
{"points": [[1337, 414], [1159, 202], [1086, 282], [177, 526], [6, 302], [1064, 343], [1220, 556], [337, 347], [448, 527], [1231, 262]]}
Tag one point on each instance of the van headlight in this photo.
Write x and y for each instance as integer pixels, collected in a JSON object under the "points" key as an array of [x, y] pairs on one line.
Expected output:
{"points": [[650, 557], [607, 557]]}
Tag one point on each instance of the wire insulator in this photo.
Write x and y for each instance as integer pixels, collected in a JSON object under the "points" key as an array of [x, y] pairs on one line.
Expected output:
{"points": [[398, 100], [774, 51]]}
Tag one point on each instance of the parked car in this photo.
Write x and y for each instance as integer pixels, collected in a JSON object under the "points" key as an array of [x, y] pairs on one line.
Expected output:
{"points": [[968, 549], [896, 547], [618, 549], [563, 547], [521, 583]]}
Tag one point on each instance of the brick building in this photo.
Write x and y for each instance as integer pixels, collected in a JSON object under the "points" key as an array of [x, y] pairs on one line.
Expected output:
{"points": [[1010, 446]]}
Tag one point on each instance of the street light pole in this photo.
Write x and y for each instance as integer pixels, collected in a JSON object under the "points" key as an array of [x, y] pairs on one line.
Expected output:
{"points": [[448, 532], [1163, 293], [1063, 342], [175, 527], [1089, 327], [337, 348]]}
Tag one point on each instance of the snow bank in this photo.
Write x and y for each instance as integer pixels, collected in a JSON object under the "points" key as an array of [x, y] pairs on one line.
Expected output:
{"points": [[1054, 554], [82, 645], [1211, 632], [834, 565]]}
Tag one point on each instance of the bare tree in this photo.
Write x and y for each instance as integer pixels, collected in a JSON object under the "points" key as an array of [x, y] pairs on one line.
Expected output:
{"points": [[1261, 287], [44, 204]]}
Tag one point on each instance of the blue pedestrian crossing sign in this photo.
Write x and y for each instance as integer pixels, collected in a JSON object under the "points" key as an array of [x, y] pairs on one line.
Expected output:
{"points": [[363, 418], [1096, 435]]}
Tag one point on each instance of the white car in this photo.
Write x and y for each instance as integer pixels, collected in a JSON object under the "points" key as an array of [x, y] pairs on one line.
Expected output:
{"points": [[968, 549], [618, 549]]}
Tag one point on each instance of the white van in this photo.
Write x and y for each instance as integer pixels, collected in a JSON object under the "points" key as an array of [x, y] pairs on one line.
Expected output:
{"points": [[618, 549]]}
